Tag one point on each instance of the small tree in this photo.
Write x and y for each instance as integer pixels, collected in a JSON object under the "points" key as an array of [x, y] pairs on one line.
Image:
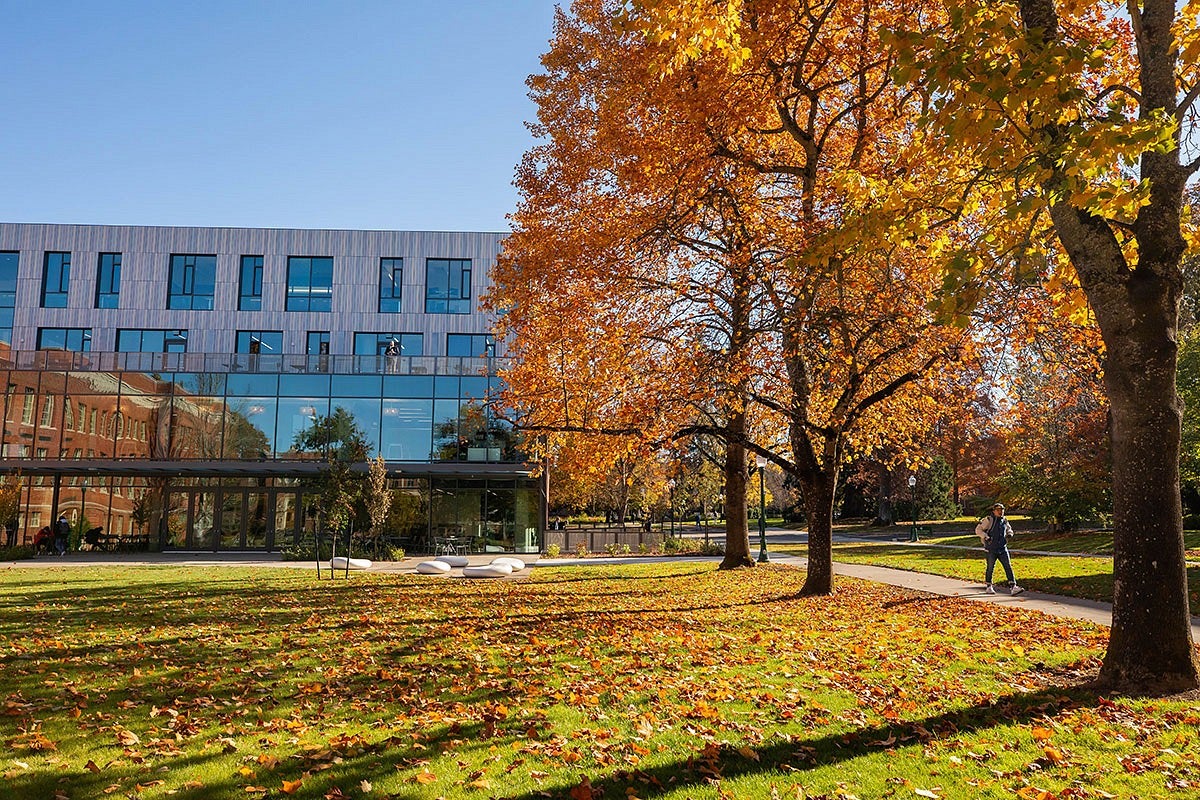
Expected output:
{"points": [[10, 500], [379, 499], [343, 444]]}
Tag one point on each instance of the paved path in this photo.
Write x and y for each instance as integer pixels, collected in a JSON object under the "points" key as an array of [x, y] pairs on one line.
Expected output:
{"points": [[1055, 605]]}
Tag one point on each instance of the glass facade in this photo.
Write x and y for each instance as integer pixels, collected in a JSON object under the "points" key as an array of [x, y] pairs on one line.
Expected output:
{"points": [[131, 340], [391, 275], [194, 421], [78, 340], [193, 282], [108, 280], [448, 286], [317, 343], [309, 284], [471, 345], [259, 342], [56, 280], [378, 344], [250, 284], [9, 264]]}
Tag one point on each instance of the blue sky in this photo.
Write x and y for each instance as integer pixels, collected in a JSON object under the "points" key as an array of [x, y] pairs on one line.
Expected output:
{"points": [[395, 115]]}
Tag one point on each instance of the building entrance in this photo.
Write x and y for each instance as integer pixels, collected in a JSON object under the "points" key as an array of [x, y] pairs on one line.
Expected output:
{"points": [[231, 518]]}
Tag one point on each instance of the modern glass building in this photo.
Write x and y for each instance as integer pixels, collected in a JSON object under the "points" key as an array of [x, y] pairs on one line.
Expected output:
{"points": [[161, 382]]}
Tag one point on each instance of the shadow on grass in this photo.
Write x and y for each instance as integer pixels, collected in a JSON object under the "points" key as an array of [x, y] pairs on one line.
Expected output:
{"points": [[798, 754]]}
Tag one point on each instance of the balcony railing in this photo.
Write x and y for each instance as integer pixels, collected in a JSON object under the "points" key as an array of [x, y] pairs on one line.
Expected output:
{"points": [[65, 361]]}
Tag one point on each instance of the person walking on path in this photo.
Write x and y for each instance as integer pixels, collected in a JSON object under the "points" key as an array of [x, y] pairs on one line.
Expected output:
{"points": [[994, 531]]}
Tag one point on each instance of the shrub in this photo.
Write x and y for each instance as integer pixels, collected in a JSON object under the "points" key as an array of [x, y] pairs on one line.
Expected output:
{"points": [[304, 551], [552, 550], [390, 552], [581, 550], [643, 548], [612, 548], [17, 553]]}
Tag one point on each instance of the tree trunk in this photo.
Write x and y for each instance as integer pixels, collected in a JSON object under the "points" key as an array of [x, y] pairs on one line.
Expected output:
{"points": [[1150, 647], [818, 503], [883, 496], [737, 528], [1137, 309]]}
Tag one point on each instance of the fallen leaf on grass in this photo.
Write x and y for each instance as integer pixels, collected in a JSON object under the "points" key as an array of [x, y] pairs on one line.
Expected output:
{"points": [[425, 776], [291, 787], [584, 790], [927, 793]]}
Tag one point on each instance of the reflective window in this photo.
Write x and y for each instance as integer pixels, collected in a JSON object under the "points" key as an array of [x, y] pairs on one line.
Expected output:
{"points": [[309, 284], [378, 344], [9, 264], [259, 342], [76, 339], [407, 429], [137, 340], [317, 343], [448, 286], [108, 280], [56, 280], [193, 282], [473, 345], [250, 285], [390, 280]]}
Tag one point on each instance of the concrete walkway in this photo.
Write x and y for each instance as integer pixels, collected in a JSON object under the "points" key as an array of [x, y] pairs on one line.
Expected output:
{"points": [[1054, 605]]}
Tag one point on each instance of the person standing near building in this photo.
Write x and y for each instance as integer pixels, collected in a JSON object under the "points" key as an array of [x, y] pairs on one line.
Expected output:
{"points": [[393, 357], [995, 531], [62, 532]]}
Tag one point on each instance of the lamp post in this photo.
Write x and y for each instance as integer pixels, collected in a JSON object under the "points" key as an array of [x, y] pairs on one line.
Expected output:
{"points": [[912, 488], [761, 462], [671, 493], [83, 487]]}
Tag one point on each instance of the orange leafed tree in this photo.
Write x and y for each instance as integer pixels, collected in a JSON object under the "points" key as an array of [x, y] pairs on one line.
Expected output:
{"points": [[703, 249]]}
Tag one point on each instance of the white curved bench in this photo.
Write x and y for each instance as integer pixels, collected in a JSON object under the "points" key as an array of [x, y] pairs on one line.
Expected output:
{"points": [[489, 571], [516, 563], [454, 561], [433, 568], [339, 562]]}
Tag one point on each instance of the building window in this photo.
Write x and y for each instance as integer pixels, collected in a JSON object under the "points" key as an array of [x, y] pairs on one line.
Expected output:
{"points": [[309, 284], [376, 344], [193, 282], [318, 343], [251, 284], [9, 265], [448, 286], [56, 280], [471, 345], [108, 280], [136, 340], [48, 412], [27, 409], [259, 342], [77, 339], [391, 274]]}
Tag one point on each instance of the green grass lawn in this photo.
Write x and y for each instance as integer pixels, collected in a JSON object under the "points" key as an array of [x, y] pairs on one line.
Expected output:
{"points": [[639, 681]]}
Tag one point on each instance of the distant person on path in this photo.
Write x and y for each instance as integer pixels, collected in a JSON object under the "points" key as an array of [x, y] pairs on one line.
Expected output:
{"points": [[994, 531], [62, 532]]}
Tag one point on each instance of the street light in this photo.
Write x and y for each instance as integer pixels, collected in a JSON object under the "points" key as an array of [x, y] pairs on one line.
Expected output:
{"points": [[671, 492], [761, 462], [912, 488]]}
